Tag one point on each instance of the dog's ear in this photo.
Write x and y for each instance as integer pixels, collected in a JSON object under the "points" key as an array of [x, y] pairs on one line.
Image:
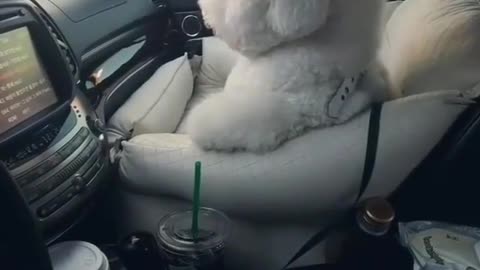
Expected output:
{"points": [[293, 19]]}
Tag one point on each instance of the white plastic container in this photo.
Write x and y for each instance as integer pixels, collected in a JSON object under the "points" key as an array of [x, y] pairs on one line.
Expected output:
{"points": [[77, 255]]}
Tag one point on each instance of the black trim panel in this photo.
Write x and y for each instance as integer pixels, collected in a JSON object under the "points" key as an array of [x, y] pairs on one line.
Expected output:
{"points": [[444, 187]]}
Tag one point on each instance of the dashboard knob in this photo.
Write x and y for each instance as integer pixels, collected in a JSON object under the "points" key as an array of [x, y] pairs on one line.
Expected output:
{"points": [[79, 183]]}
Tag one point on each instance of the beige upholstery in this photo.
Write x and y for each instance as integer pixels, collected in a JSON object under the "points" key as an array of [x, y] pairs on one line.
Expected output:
{"points": [[431, 45], [158, 105], [280, 199]]}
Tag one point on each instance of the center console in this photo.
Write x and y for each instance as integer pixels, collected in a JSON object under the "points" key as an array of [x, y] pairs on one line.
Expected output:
{"points": [[45, 139]]}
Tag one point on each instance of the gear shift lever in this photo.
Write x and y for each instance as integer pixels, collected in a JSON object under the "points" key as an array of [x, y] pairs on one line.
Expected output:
{"points": [[139, 251]]}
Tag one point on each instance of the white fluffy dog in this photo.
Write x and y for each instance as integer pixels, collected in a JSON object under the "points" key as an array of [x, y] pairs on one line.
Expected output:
{"points": [[298, 69]]}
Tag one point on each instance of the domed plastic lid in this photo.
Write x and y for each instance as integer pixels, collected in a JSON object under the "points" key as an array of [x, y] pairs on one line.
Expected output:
{"points": [[176, 236], [76, 255]]}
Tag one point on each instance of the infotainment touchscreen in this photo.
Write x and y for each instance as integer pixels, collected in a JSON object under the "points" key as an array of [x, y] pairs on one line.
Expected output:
{"points": [[25, 89]]}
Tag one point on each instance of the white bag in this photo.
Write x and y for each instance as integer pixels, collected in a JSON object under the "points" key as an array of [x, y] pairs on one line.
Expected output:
{"points": [[441, 246]]}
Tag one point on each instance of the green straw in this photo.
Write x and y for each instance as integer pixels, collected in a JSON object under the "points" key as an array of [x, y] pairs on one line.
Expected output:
{"points": [[196, 198]]}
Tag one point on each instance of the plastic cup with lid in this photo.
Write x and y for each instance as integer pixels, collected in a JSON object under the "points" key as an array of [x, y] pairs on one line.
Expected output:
{"points": [[183, 250], [77, 255]]}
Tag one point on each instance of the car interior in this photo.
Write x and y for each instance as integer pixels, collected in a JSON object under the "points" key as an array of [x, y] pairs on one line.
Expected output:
{"points": [[94, 158]]}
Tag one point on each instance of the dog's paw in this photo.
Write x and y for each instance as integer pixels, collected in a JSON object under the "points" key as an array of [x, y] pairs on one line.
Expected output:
{"points": [[208, 125], [229, 123]]}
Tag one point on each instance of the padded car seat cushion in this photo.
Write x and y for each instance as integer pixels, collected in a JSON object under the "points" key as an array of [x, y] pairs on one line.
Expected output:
{"points": [[325, 166], [260, 186], [217, 62], [158, 105]]}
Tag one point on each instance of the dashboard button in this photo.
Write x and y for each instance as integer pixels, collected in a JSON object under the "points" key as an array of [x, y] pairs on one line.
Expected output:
{"points": [[67, 195], [84, 132], [57, 180], [27, 179], [92, 171], [53, 205], [43, 212], [49, 208], [38, 191], [74, 143], [52, 183], [77, 142], [33, 195], [40, 170], [67, 150], [78, 183], [89, 163], [55, 160]]}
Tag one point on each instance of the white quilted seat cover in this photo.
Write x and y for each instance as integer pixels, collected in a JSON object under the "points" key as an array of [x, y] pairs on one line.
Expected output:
{"points": [[277, 200]]}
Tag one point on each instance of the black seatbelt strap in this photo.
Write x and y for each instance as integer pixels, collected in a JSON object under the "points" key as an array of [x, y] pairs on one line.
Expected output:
{"points": [[372, 146], [370, 158]]}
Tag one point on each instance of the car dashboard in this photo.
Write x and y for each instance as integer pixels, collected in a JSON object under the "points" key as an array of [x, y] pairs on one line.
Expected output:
{"points": [[96, 28], [58, 155]]}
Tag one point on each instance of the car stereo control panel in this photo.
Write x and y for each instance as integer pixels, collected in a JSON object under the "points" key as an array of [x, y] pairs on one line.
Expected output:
{"points": [[45, 139], [65, 171]]}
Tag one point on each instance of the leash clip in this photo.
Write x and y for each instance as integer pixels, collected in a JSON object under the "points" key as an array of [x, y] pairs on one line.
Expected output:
{"points": [[346, 89]]}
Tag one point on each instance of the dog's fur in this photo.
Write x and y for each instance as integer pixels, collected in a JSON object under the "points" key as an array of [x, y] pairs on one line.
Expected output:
{"points": [[295, 54]]}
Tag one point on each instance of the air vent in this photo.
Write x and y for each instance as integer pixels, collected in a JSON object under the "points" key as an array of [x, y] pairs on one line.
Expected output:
{"points": [[10, 15], [67, 53]]}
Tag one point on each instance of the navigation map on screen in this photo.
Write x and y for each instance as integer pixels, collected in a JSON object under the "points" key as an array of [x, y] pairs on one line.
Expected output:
{"points": [[25, 89]]}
